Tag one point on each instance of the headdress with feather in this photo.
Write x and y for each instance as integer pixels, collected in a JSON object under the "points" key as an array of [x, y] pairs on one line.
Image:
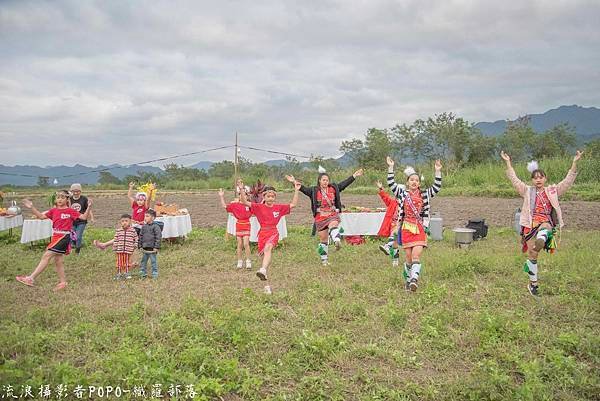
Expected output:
{"points": [[532, 166]]}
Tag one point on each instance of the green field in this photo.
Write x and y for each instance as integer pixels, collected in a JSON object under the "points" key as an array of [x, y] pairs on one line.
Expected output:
{"points": [[346, 332]]}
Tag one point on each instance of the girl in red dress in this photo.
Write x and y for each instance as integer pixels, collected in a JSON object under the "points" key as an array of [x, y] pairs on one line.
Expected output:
{"points": [[63, 217], [268, 215], [242, 226]]}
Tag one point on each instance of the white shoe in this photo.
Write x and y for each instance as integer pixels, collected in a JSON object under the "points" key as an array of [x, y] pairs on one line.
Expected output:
{"points": [[268, 290], [385, 249], [262, 274], [325, 262], [248, 264], [240, 264], [395, 263]]}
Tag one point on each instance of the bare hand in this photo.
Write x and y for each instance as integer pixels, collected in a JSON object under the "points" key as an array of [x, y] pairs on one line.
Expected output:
{"points": [[378, 183], [358, 173], [290, 178], [297, 186], [505, 157], [27, 203], [221, 192], [578, 155], [90, 203], [438, 165], [390, 161], [131, 185]]}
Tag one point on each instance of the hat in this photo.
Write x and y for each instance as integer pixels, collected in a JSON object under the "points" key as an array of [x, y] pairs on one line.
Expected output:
{"points": [[76, 187]]}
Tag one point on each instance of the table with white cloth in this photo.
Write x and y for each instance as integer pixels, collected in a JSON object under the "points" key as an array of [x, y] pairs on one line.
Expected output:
{"points": [[255, 226], [10, 222], [176, 226], [35, 230], [367, 223]]}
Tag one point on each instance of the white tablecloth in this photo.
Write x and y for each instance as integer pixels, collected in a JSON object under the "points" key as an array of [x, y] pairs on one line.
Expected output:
{"points": [[36, 229], [361, 223], [7, 223], [176, 226], [255, 226]]}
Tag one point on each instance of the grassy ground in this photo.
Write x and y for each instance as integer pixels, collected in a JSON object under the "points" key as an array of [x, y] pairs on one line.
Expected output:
{"points": [[347, 332]]}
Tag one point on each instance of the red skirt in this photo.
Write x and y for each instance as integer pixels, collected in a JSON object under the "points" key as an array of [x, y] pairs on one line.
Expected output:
{"points": [[60, 243], [323, 223], [265, 237], [411, 239], [242, 228]]}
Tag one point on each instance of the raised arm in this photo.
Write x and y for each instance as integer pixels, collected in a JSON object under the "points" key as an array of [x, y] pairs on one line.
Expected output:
{"points": [[568, 181], [387, 199], [29, 205], [297, 186], [221, 194], [305, 190], [130, 192], [397, 189], [519, 185], [437, 181], [344, 184]]}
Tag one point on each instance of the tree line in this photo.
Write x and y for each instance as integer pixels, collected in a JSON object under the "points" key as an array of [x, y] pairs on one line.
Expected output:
{"points": [[442, 136]]}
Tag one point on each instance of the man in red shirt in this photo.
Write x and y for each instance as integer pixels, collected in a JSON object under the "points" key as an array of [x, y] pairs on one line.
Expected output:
{"points": [[268, 215]]}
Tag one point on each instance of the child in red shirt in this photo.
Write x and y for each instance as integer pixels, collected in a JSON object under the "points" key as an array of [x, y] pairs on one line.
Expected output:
{"points": [[268, 215], [242, 227], [389, 226], [62, 217], [139, 205]]}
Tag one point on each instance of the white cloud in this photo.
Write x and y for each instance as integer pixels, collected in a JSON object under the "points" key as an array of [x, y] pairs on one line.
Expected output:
{"points": [[128, 81]]}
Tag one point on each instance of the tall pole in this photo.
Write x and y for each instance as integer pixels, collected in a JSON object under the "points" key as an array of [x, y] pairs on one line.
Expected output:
{"points": [[235, 159]]}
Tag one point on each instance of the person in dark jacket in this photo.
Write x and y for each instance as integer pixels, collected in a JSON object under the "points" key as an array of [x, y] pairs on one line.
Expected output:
{"points": [[149, 243], [79, 203], [326, 206]]}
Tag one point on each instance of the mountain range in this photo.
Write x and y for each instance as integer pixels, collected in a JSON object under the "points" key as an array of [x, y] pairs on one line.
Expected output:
{"points": [[585, 121]]}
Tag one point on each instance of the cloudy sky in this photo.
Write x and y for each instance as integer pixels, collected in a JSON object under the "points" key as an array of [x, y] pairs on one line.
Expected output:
{"points": [[123, 81]]}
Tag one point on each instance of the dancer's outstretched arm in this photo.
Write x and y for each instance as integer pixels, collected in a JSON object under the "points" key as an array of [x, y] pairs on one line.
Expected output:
{"points": [[397, 189], [519, 185], [221, 194], [130, 192], [29, 205], [297, 186], [437, 182], [344, 184], [568, 181], [304, 189]]}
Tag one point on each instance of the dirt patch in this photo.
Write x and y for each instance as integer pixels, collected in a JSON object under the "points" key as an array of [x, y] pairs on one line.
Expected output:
{"points": [[206, 211]]}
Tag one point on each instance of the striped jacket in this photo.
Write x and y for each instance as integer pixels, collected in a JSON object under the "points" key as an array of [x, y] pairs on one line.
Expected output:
{"points": [[401, 193], [125, 241]]}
